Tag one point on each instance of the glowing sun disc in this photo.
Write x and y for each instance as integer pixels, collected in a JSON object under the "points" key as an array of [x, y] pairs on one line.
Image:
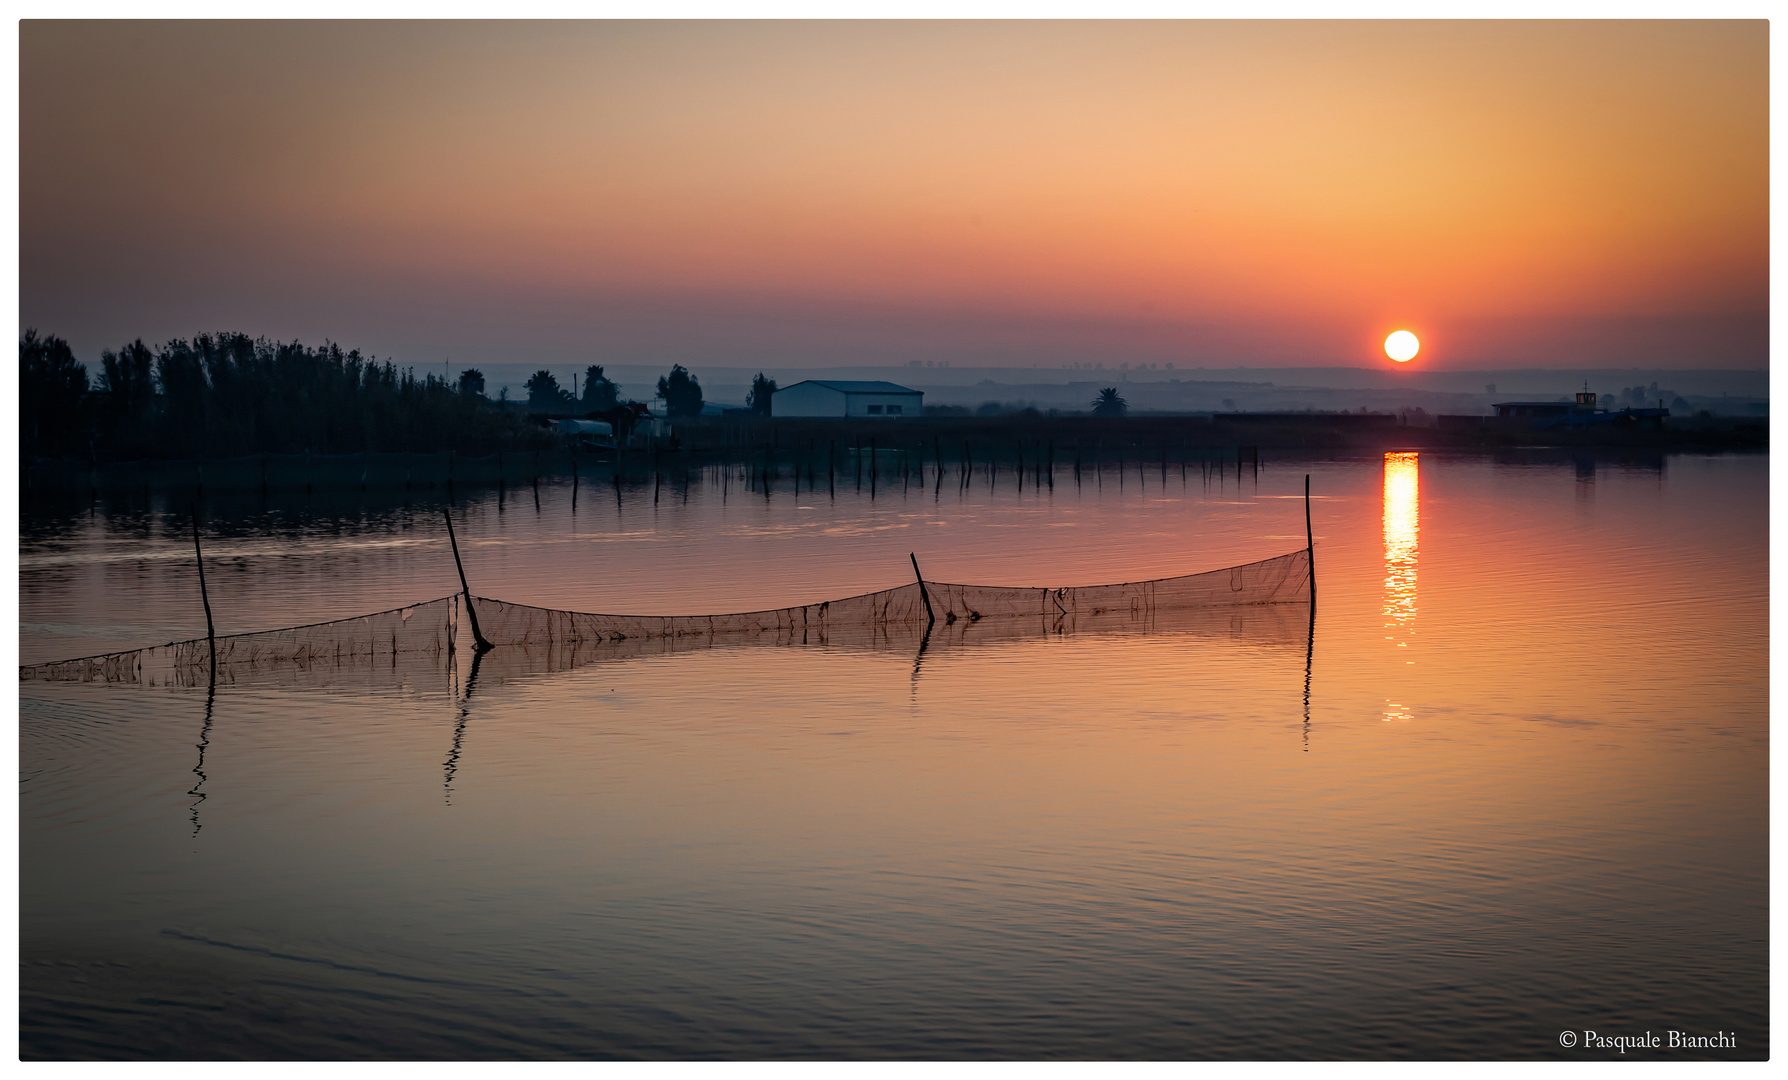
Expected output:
{"points": [[1402, 346]]}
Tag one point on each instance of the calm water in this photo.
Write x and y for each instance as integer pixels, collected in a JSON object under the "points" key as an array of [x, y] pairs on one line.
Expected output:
{"points": [[1526, 791]]}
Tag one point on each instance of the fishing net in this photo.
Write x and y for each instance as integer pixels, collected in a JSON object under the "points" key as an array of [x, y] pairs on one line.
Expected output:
{"points": [[1265, 626], [1251, 599], [958, 611], [426, 630]]}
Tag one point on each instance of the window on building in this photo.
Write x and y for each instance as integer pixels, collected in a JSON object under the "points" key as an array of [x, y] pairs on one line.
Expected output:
{"points": [[894, 408], [875, 410]]}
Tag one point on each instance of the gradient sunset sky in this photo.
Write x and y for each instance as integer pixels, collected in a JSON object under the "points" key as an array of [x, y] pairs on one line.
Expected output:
{"points": [[1521, 194]]}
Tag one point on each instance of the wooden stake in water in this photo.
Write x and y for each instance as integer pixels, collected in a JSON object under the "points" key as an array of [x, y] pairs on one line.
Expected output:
{"points": [[1310, 545], [477, 634], [204, 595], [924, 594]]}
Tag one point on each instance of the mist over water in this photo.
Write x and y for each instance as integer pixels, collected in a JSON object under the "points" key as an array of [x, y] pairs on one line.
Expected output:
{"points": [[1513, 782]]}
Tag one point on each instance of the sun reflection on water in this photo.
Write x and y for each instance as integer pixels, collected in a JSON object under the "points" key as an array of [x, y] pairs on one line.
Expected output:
{"points": [[1402, 528]]}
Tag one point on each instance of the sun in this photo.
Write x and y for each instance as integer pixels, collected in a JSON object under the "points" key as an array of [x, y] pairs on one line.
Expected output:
{"points": [[1402, 346]]}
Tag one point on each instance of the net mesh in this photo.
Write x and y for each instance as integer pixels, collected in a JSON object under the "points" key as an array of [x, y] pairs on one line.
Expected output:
{"points": [[427, 629], [1236, 600]]}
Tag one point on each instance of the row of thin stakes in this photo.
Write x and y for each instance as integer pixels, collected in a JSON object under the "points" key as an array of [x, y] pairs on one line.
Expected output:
{"points": [[907, 466], [870, 461]]}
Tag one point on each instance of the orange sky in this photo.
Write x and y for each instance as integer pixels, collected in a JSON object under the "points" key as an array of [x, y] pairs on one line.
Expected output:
{"points": [[1519, 194]]}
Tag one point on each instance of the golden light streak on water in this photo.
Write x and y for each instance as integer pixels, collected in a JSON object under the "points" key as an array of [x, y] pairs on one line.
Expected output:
{"points": [[1402, 531]]}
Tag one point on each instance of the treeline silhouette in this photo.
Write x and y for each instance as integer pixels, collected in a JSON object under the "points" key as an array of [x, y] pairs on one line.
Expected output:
{"points": [[228, 394]]}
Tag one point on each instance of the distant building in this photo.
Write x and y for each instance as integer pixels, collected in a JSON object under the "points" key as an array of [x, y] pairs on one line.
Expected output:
{"points": [[1580, 413], [586, 432], [1546, 411], [831, 397]]}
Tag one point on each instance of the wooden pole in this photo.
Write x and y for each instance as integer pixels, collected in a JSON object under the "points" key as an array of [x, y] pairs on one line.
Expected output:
{"points": [[924, 594], [1310, 544], [204, 595], [477, 634]]}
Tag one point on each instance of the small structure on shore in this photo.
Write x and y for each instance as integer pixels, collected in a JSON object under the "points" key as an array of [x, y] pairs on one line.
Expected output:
{"points": [[586, 432], [1580, 413], [837, 398]]}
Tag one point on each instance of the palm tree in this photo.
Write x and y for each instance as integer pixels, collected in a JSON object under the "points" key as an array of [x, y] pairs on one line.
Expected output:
{"points": [[544, 394], [1108, 403], [600, 392]]}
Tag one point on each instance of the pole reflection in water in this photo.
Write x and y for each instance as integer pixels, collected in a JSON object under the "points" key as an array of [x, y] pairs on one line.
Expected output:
{"points": [[1402, 529], [204, 743], [451, 765]]}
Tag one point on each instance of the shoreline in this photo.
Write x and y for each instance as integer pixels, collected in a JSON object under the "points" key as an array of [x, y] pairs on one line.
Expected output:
{"points": [[810, 448]]}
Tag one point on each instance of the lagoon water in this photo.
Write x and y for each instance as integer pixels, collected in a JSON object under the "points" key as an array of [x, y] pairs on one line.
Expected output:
{"points": [[1513, 783]]}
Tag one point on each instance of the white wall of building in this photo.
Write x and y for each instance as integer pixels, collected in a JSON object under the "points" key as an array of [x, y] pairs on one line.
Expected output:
{"points": [[815, 399], [885, 405], [808, 399]]}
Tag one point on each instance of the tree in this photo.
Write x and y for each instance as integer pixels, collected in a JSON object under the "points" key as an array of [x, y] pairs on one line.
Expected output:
{"points": [[221, 395], [1109, 403], [52, 389], [681, 392], [544, 394], [600, 392], [127, 379], [758, 400], [471, 381]]}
